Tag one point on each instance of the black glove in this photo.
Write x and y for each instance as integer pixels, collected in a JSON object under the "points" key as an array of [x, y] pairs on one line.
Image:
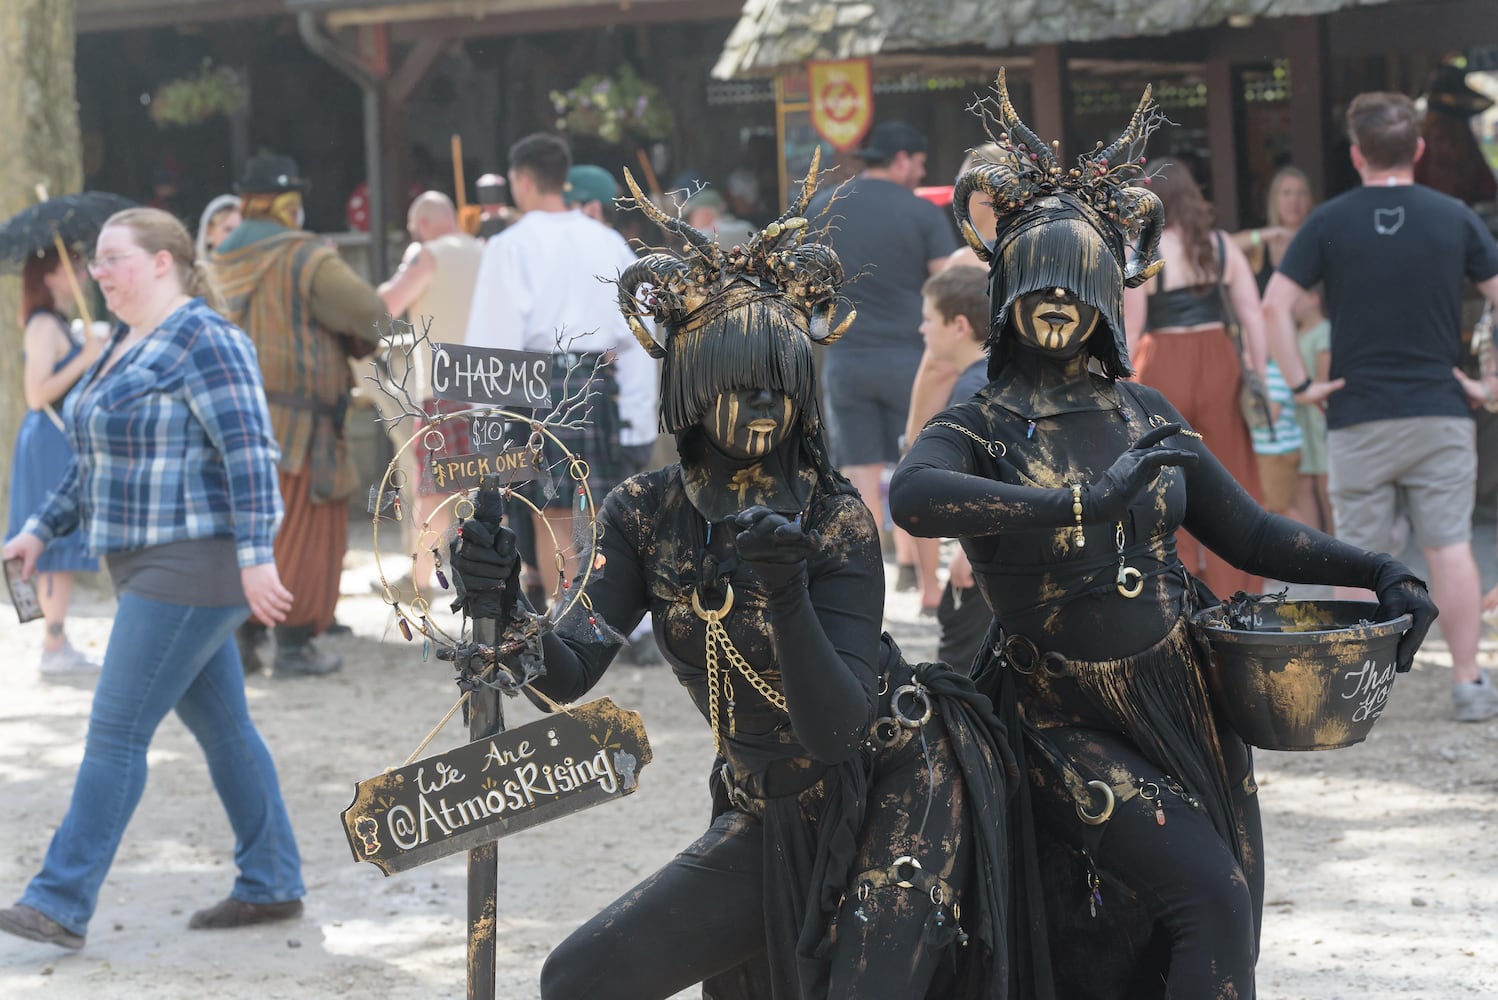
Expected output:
{"points": [[486, 570], [1401, 592], [775, 547], [1109, 498]]}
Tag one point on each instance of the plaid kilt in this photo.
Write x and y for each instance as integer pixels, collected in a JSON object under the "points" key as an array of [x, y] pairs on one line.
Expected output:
{"points": [[597, 442]]}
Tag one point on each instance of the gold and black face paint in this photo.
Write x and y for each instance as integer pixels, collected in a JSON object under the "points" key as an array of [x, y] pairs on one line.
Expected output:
{"points": [[750, 423], [1053, 320]]}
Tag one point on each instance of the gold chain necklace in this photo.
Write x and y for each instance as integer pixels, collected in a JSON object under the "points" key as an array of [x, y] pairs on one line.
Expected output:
{"points": [[717, 638]]}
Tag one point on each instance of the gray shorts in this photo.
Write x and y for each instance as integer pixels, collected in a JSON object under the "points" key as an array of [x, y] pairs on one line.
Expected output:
{"points": [[868, 400], [1423, 466]]}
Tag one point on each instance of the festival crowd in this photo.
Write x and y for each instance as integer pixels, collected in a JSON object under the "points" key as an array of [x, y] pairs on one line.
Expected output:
{"points": [[1106, 413]]}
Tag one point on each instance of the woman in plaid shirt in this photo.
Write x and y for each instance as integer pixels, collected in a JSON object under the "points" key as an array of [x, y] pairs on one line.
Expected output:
{"points": [[175, 478]]}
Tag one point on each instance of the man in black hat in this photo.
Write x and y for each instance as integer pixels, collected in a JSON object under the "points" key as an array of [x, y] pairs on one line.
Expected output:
{"points": [[308, 314], [893, 241]]}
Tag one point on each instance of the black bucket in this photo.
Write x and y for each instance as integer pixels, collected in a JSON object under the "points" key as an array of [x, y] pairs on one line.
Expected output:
{"points": [[1300, 675]]}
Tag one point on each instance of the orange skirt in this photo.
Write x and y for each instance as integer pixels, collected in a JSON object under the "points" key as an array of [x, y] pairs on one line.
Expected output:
{"points": [[309, 552], [1198, 373]]}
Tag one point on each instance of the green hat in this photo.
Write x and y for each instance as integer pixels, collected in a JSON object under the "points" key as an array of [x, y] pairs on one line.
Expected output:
{"points": [[586, 182]]}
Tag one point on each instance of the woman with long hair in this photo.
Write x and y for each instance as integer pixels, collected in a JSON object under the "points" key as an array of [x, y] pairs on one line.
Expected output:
{"points": [[760, 568], [54, 359], [1287, 205], [174, 483], [1179, 344]]}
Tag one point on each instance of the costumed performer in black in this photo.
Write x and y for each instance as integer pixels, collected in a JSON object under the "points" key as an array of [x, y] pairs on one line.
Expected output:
{"points": [[852, 852], [1066, 484]]}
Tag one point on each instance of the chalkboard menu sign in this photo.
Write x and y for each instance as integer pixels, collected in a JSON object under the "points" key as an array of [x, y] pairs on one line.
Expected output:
{"points": [[462, 472], [475, 794]]}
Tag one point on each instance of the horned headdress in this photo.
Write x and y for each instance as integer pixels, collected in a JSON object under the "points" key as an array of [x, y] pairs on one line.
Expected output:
{"points": [[733, 318], [1089, 228]]}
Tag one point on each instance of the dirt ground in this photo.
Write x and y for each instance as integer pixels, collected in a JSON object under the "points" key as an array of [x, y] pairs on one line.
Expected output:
{"points": [[1382, 877]]}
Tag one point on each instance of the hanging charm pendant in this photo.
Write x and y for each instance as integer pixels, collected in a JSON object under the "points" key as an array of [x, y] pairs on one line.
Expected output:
{"points": [[1129, 582]]}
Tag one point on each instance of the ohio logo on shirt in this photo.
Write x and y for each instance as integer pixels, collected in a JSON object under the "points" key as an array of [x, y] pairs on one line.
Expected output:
{"points": [[1387, 221]]}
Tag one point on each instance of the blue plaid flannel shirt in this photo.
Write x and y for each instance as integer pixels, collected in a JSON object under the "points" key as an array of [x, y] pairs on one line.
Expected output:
{"points": [[172, 443]]}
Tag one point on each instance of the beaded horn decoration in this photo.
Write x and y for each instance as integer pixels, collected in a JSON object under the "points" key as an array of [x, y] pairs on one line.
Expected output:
{"points": [[1064, 227], [703, 295]]}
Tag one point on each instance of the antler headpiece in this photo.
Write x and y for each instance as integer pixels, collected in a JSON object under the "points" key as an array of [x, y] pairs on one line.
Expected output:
{"points": [[1064, 227], [784, 288]]}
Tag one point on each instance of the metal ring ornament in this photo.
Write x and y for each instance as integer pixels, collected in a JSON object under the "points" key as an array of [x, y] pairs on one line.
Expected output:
{"points": [[1014, 644], [1125, 574], [884, 732], [722, 611], [397, 483], [906, 866], [459, 512], [1109, 801], [921, 697], [1053, 664], [427, 441]]}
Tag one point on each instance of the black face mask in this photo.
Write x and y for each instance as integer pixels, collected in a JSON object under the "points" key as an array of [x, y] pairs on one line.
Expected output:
{"points": [[1053, 321]]}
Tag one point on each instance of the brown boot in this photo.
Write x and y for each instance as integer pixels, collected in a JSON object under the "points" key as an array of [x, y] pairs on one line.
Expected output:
{"points": [[233, 912], [33, 925]]}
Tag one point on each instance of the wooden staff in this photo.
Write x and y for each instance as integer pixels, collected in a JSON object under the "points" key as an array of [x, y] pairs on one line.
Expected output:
{"points": [[470, 217], [651, 182]]}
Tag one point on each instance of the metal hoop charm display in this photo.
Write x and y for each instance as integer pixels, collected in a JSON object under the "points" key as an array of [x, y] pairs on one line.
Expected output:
{"points": [[429, 435]]}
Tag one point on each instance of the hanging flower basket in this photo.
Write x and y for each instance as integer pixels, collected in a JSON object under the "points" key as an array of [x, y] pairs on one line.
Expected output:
{"points": [[199, 97], [616, 109]]}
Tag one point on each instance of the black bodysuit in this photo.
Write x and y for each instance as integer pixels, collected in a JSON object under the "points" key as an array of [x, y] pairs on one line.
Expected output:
{"points": [[1110, 687], [769, 901]]}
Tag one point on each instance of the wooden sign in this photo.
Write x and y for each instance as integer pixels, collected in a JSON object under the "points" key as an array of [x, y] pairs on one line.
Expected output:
{"points": [[475, 794], [490, 376], [462, 472]]}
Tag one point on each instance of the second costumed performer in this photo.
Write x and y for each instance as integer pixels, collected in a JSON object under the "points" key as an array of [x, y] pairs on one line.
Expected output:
{"points": [[852, 851], [1066, 484]]}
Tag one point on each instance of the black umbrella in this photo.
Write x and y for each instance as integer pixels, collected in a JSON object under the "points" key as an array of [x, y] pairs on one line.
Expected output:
{"points": [[75, 218]]}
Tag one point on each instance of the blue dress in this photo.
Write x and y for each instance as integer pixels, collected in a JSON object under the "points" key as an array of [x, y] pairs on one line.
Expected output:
{"points": [[41, 459]]}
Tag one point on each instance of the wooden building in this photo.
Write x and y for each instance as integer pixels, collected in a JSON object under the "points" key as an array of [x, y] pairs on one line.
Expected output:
{"points": [[1252, 83]]}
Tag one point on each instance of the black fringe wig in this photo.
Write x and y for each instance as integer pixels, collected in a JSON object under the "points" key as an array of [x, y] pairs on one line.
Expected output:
{"points": [[1058, 247]]}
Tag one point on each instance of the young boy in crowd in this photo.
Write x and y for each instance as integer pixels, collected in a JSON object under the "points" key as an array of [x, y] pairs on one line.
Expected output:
{"points": [[954, 324]]}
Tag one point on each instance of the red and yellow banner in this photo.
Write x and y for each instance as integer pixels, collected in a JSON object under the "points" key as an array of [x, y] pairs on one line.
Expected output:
{"points": [[842, 100]]}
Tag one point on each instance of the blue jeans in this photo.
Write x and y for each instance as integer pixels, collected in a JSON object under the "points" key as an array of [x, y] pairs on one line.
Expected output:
{"points": [[163, 656]]}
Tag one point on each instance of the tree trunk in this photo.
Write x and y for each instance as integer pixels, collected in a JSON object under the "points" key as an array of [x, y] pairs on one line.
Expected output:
{"points": [[39, 119]]}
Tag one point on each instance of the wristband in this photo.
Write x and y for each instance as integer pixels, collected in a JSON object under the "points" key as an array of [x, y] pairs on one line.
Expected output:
{"points": [[1297, 390]]}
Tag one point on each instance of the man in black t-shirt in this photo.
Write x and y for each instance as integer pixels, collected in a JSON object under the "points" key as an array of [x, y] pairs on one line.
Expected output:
{"points": [[890, 241], [1394, 257]]}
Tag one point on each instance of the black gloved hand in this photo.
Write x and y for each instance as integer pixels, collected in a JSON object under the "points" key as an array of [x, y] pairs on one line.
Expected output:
{"points": [[486, 570], [774, 546], [1131, 473], [1401, 592]]}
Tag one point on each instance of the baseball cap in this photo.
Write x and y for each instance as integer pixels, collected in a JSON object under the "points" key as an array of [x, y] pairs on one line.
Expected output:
{"points": [[888, 138], [586, 182]]}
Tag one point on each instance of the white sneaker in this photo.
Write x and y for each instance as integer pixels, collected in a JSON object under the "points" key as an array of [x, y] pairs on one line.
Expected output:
{"points": [[65, 661], [1474, 702]]}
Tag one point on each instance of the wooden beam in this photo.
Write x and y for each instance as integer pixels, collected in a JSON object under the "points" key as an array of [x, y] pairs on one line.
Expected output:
{"points": [[568, 19], [1050, 89], [94, 17], [413, 69], [1223, 105], [1305, 47]]}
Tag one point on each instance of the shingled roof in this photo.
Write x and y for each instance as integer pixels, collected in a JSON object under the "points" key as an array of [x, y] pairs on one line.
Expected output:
{"points": [[775, 33]]}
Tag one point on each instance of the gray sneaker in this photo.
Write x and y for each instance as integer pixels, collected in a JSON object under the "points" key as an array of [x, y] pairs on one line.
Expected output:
{"points": [[1476, 701], [65, 661]]}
